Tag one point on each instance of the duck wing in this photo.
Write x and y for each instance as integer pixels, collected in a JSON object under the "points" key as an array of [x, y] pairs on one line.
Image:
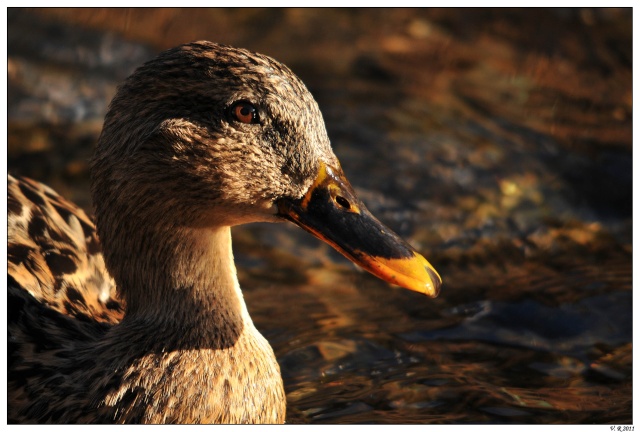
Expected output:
{"points": [[54, 254], [60, 297]]}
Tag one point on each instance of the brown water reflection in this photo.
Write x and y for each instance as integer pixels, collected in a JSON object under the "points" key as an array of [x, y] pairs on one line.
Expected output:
{"points": [[354, 351], [497, 141]]}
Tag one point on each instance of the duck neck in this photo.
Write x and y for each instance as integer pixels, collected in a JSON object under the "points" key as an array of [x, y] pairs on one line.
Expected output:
{"points": [[186, 281]]}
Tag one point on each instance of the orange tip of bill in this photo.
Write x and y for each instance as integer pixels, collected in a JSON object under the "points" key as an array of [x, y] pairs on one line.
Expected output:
{"points": [[414, 273]]}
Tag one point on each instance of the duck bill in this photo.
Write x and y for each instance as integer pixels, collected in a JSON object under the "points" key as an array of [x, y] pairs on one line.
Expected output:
{"points": [[331, 211]]}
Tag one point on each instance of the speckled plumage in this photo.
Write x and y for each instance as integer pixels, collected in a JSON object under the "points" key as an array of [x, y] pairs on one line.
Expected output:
{"points": [[171, 174]]}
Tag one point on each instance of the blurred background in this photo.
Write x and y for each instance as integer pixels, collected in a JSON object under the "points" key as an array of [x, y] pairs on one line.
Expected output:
{"points": [[496, 141]]}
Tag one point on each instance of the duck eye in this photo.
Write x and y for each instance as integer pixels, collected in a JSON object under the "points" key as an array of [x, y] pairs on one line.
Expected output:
{"points": [[244, 112]]}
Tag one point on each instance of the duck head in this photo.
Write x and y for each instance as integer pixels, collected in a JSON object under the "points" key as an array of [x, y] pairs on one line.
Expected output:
{"points": [[218, 136]]}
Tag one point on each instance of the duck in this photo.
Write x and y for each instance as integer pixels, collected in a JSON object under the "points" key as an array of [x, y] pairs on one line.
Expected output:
{"points": [[136, 315]]}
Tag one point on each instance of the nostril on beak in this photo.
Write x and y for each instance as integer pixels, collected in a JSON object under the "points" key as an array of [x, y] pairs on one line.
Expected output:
{"points": [[342, 201]]}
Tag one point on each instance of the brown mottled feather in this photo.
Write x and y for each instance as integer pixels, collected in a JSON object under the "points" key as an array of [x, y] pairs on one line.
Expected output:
{"points": [[54, 254]]}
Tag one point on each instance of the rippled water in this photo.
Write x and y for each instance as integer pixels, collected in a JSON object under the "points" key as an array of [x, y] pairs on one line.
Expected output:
{"points": [[498, 142], [541, 346]]}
